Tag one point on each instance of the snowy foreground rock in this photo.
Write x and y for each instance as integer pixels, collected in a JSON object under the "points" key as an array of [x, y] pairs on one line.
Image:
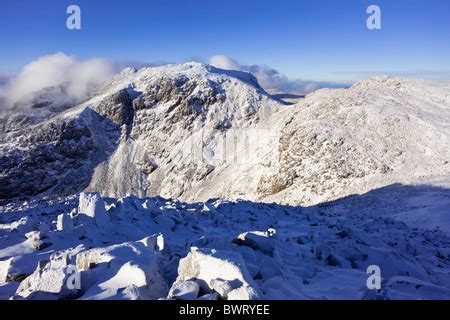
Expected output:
{"points": [[224, 272], [154, 248]]}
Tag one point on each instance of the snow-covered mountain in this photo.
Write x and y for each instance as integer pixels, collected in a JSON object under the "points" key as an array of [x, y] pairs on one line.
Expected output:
{"points": [[195, 132], [138, 135], [138, 190], [380, 131]]}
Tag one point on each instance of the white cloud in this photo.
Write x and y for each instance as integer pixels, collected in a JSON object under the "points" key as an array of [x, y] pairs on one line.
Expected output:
{"points": [[78, 77], [75, 75], [223, 62], [271, 79]]}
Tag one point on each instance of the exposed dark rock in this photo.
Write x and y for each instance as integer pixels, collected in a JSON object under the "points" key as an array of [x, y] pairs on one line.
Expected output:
{"points": [[118, 108]]}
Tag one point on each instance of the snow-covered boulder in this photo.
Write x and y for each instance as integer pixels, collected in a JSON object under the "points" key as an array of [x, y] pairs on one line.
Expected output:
{"points": [[64, 223], [206, 265], [154, 242], [243, 293], [34, 235], [209, 296], [4, 269], [38, 240], [142, 250], [131, 292], [223, 287], [184, 290], [129, 280], [92, 205], [91, 258], [23, 225], [50, 281], [129, 269], [258, 240]]}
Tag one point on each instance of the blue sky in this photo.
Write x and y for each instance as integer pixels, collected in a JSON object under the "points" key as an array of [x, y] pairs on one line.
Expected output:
{"points": [[307, 39]]}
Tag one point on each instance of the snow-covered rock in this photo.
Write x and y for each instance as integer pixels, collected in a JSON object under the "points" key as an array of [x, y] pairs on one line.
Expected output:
{"points": [[4, 269], [209, 297], [92, 205], [90, 259], [34, 235], [321, 252], [38, 240], [132, 266], [49, 281], [223, 287], [244, 292], [257, 240], [131, 280], [184, 290], [155, 242], [207, 265], [165, 222], [64, 223], [23, 225], [339, 142]]}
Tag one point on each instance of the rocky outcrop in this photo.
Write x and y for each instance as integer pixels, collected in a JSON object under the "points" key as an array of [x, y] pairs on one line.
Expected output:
{"points": [[49, 281], [64, 223], [203, 251], [184, 290], [117, 107], [224, 271], [129, 271], [92, 205], [41, 155], [257, 240]]}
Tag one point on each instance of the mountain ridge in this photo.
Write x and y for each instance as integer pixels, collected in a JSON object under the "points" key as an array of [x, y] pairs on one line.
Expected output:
{"points": [[195, 132]]}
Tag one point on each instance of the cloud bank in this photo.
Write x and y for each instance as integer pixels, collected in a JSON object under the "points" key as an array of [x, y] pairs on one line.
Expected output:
{"points": [[76, 77], [271, 79]]}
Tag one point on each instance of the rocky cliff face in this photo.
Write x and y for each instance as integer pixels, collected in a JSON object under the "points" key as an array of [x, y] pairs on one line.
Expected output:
{"points": [[34, 163], [181, 118], [136, 135]]}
